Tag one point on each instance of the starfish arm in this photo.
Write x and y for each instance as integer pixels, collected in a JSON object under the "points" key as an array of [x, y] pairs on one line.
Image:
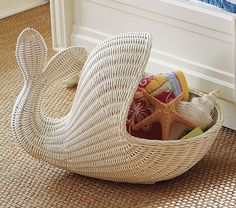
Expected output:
{"points": [[177, 100], [165, 127], [152, 99], [180, 119], [148, 120]]}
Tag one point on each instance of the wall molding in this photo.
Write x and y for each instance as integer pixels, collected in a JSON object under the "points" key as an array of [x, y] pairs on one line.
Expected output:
{"points": [[94, 36], [221, 29], [20, 7], [189, 17], [61, 22], [196, 73]]}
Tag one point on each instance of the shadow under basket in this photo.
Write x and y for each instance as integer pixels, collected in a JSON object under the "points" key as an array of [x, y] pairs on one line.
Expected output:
{"points": [[92, 139]]}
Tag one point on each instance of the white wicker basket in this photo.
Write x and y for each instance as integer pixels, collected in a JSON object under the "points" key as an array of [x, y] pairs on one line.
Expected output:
{"points": [[92, 139]]}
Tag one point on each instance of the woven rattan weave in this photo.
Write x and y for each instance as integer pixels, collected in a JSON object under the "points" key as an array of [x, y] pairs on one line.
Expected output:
{"points": [[92, 139]]}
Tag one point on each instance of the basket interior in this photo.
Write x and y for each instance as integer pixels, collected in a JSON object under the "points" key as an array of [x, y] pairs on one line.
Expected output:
{"points": [[214, 115]]}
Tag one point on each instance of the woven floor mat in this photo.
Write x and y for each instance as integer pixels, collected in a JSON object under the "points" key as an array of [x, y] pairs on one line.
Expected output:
{"points": [[25, 182]]}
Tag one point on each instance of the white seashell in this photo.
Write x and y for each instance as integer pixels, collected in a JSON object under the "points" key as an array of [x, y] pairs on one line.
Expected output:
{"points": [[198, 111], [208, 100]]}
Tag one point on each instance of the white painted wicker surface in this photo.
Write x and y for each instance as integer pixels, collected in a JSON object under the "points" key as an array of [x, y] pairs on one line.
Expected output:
{"points": [[92, 139]]}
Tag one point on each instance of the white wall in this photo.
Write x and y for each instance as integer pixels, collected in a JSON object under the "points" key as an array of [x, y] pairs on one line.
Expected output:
{"points": [[10, 7]]}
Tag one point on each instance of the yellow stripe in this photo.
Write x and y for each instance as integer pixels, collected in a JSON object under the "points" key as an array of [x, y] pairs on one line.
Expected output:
{"points": [[183, 83], [159, 80], [156, 83]]}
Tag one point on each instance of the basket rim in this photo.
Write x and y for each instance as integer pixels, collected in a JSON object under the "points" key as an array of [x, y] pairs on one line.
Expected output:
{"points": [[212, 130]]}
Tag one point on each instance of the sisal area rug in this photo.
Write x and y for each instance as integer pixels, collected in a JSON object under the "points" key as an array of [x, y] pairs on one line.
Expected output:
{"points": [[25, 182]]}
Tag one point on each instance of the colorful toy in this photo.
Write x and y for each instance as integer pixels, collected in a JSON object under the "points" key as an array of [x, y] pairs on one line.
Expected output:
{"points": [[164, 87], [195, 132]]}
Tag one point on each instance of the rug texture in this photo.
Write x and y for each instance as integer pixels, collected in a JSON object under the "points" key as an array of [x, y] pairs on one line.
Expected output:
{"points": [[26, 182]]}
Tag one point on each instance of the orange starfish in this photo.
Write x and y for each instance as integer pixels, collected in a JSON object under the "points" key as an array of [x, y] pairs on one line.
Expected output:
{"points": [[165, 114]]}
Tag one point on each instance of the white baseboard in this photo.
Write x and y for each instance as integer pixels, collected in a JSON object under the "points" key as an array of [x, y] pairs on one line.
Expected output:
{"points": [[229, 113], [20, 6]]}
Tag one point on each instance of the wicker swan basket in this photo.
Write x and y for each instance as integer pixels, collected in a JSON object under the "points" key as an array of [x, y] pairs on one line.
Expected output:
{"points": [[92, 139]]}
